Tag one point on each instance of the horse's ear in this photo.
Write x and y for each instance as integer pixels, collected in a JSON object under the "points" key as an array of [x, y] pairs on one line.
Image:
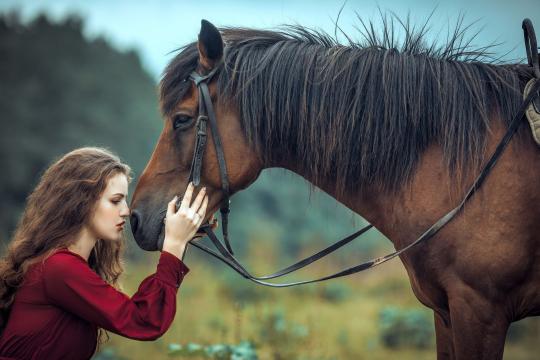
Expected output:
{"points": [[210, 45]]}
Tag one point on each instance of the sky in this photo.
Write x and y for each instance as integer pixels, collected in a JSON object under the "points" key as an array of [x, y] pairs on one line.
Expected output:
{"points": [[156, 28]]}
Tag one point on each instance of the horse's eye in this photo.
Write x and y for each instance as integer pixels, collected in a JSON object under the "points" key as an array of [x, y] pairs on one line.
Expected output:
{"points": [[181, 121]]}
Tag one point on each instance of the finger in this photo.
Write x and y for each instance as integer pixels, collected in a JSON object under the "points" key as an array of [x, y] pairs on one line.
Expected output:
{"points": [[171, 206], [199, 223], [198, 200], [202, 210], [186, 200]]}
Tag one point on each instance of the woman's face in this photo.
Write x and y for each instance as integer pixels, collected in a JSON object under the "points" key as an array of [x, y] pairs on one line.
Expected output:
{"points": [[112, 210]]}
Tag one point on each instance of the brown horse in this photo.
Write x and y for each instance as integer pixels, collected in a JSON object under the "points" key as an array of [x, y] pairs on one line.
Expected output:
{"points": [[397, 134]]}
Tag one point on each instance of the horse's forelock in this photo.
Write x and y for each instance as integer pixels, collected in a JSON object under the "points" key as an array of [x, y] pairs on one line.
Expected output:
{"points": [[174, 82]]}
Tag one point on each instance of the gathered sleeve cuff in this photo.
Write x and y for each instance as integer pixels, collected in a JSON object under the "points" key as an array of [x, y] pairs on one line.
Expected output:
{"points": [[171, 269]]}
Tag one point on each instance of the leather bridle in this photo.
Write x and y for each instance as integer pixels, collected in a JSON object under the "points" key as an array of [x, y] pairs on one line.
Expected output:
{"points": [[225, 252], [207, 114]]}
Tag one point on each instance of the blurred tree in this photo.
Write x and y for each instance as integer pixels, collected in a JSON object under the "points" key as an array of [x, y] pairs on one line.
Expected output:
{"points": [[59, 91]]}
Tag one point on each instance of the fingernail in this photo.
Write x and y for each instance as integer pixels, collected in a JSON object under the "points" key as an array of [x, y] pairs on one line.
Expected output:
{"points": [[204, 189]]}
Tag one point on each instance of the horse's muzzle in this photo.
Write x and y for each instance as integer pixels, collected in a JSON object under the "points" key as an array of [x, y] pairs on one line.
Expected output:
{"points": [[147, 232]]}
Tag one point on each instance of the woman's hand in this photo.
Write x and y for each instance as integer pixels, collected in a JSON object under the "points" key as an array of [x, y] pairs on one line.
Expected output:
{"points": [[181, 225]]}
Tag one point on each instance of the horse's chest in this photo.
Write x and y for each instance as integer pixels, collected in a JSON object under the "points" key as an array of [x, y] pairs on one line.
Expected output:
{"points": [[426, 284]]}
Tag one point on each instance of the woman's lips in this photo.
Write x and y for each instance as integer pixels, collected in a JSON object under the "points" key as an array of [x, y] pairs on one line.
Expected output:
{"points": [[120, 226]]}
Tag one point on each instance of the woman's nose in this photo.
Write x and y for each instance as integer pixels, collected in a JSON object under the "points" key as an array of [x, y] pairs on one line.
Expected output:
{"points": [[125, 212]]}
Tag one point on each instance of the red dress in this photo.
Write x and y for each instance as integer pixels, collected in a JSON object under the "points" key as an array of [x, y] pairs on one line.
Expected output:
{"points": [[62, 302]]}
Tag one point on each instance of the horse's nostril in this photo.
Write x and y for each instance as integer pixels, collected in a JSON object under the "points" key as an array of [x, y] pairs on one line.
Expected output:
{"points": [[134, 220]]}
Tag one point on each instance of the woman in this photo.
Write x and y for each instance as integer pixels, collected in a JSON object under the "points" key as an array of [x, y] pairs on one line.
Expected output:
{"points": [[59, 277]]}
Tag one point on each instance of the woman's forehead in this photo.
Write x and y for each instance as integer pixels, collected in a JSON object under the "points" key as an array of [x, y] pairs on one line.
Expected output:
{"points": [[117, 184]]}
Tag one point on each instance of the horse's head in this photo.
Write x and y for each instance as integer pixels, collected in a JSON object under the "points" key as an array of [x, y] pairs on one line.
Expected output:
{"points": [[168, 171]]}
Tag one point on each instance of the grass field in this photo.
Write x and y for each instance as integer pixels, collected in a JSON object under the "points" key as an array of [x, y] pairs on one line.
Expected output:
{"points": [[349, 318]]}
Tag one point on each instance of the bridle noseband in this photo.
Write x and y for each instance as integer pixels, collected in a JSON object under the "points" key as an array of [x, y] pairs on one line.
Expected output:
{"points": [[225, 253]]}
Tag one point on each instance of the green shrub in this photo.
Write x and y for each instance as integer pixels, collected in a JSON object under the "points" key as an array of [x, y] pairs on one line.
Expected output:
{"points": [[281, 335], [335, 292], [108, 353], [400, 328], [242, 291], [519, 330], [243, 351]]}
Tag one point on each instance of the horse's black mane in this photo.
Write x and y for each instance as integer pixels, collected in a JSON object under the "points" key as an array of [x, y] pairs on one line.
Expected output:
{"points": [[361, 113]]}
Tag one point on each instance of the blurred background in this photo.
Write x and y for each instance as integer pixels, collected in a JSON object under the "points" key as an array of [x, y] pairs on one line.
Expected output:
{"points": [[78, 73]]}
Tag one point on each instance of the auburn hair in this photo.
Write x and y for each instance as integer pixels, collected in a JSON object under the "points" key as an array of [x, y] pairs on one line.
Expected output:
{"points": [[63, 201]]}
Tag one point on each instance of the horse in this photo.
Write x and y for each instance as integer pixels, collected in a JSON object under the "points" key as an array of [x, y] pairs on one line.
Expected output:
{"points": [[395, 133]]}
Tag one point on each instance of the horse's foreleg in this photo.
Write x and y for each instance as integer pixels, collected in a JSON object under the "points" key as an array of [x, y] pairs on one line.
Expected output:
{"points": [[478, 326], [443, 334]]}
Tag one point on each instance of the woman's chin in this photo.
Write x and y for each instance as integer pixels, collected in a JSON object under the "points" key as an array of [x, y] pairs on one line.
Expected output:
{"points": [[113, 238]]}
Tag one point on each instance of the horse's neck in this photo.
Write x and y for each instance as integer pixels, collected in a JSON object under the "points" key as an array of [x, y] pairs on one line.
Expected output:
{"points": [[404, 215], [371, 203]]}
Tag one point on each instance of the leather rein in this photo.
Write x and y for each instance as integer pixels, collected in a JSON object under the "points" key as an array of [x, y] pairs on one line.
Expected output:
{"points": [[224, 251]]}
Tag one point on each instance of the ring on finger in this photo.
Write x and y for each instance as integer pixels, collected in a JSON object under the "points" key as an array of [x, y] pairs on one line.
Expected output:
{"points": [[190, 214]]}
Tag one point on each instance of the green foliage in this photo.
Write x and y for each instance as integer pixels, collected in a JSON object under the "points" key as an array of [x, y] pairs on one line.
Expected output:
{"points": [[243, 351], [108, 353], [335, 292], [239, 290], [294, 213], [400, 328], [390, 287], [519, 330], [281, 335]]}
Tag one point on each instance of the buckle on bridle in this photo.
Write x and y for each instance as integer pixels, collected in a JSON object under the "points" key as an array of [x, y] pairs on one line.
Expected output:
{"points": [[201, 125]]}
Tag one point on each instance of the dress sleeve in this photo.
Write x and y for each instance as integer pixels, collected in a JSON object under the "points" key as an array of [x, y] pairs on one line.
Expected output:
{"points": [[72, 285]]}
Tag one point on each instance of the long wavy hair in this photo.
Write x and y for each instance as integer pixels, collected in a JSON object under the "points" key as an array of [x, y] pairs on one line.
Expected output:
{"points": [[61, 204]]}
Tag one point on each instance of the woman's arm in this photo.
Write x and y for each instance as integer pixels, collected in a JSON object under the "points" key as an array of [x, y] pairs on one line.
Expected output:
{"points": [[71, 285]]}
